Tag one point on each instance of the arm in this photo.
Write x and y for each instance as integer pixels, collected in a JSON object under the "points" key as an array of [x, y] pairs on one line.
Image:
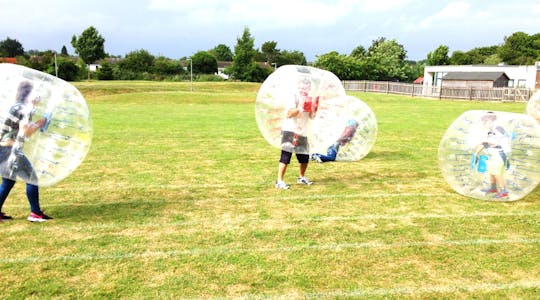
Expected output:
{"points": [[30, 128], [293, 112]]}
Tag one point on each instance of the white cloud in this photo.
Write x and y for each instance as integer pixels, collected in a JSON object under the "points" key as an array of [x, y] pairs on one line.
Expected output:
{"points": [[382, 5], [270, 14], [451, 12], [274, 14], [536, 8]]}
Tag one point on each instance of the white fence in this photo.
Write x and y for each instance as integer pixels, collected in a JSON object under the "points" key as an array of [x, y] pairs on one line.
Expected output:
{"points": [[477, 94]]}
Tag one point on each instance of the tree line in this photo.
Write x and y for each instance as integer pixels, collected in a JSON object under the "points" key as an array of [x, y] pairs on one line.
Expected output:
{"points": [[385, 59]]}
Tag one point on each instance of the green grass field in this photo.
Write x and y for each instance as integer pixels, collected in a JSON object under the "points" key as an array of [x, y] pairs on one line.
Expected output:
{"points": [[176, 200]]}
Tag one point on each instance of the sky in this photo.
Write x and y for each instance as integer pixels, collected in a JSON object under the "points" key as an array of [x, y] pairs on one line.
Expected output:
{"points": [[180, 28]]}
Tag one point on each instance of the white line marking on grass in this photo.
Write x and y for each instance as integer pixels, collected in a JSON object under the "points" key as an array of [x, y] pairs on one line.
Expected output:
{"points": [[225, 251], [412, 290]]}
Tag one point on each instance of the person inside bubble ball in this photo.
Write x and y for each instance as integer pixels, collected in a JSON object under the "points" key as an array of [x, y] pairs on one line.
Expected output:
{"points": [[300, 110], [496, 144], [16, 128], [332, 152]]}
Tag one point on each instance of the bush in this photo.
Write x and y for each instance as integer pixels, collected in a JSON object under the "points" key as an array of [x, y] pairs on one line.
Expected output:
{"points": [[105, 72]]}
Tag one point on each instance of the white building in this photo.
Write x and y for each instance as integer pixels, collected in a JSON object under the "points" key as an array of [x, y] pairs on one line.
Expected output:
{"points": [[519, 76]]}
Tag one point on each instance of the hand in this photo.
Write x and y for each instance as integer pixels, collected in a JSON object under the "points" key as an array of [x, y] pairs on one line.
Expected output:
{"points": [[39, 123], [291, 113], [36, 100]]}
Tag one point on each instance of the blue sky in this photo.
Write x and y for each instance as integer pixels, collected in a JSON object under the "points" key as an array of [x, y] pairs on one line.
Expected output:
{"points": [[178, 28]]}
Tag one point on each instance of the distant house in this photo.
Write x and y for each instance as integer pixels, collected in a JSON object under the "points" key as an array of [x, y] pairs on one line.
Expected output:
{"points": [[419, 80], [222, 65], [518, 76], [478, 80], [93, 67]]}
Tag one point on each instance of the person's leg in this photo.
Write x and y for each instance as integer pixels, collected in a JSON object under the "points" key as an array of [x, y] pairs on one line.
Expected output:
{"points": [[5, 188], [500, 182], [492, 185], [32, 193], [284, 161], [282, 168], [303, 160], [498, 178], [331, 154], [302, 169]]}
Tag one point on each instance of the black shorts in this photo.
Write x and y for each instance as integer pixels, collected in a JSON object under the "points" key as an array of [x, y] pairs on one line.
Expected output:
{"points": [[286, 157]]}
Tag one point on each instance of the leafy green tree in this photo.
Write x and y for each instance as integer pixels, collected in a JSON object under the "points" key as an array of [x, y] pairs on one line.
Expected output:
{"points": [[105, 71], [290, 58], [136, 65], [413, 70], [167, 67], [244, 57], [204, 63], [460, 58], [39, 60], [64, 51], [520, 49], [222, 53], [335, 63], [359, 52], [439, 56], [67, 69], [138, 61], [343, 66], [270, 51], [387, 57], [480, 54], [257, 73], [89, 45], [11, 48], [493, 59]]}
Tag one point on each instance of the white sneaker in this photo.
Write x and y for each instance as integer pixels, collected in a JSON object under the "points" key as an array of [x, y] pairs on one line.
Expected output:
{"points": [[316, 158], [281, 185], [304, 180]]}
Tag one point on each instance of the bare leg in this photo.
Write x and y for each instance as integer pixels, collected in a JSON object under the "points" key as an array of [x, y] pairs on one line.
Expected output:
{"points": [[303, 168], [500, 182], [281, 171]]}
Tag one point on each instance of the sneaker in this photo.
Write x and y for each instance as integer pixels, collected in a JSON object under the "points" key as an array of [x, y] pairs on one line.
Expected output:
{"points": [[3, 216], [316, 158], [281, 185], [501, 194], [38, 217], [490, 190], [304, 180]]}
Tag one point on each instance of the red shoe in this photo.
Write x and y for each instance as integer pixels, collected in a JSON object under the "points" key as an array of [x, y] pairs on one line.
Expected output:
{"points": [[38, 217], [501, 194], [489, 190]]}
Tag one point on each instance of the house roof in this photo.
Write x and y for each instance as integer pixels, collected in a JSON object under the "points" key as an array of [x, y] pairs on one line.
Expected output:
{"points": [[11, 60], [419, 80], [479, 76]]}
